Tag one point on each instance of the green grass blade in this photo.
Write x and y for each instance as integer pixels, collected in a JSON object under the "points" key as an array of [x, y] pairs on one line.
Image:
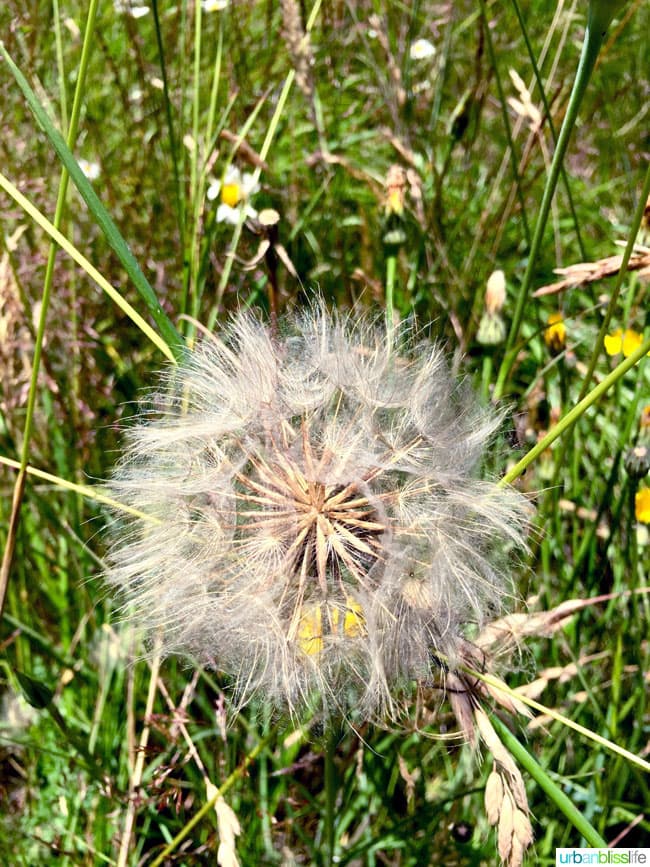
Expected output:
{"points": [[591, 46], [574, 414], [506, 122]]}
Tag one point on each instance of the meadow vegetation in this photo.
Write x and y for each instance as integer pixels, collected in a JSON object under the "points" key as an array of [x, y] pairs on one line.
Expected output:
{"points": [[378, 155]]}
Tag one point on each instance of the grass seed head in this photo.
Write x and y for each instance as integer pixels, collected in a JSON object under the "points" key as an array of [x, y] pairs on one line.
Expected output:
{"points": [[320, 532]]}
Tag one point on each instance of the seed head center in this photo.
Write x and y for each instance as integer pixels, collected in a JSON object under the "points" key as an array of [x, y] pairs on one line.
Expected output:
{"points": [[331, 531]]}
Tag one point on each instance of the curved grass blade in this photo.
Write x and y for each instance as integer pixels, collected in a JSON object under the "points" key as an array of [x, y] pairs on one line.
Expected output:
{"points": [[89, 492], [561, 718], [574, 414]]}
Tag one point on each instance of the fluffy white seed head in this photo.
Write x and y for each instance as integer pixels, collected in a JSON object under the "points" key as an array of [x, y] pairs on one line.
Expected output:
{"points": [[318, 529]]}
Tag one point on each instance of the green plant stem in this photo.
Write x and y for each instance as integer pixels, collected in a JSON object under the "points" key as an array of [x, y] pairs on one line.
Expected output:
{"points": [[551, 125], [629, 247], [588, 733], [266, 146], [210, 804], [330, 799], [173, 146], [630, 533], [561, 801], [63, 100], [196, 97], [191, 289], [391, 269], [590, 48], [486, 377], [81, 260], [200, 235], [574, 414], [19, 486]]}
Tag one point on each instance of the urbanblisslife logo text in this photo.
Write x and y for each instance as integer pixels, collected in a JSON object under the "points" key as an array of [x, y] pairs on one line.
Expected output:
{"points": [[602, 856]]}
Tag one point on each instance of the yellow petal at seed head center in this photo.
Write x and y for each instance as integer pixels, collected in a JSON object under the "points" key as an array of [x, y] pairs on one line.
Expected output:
{"points": [[310, 632], [230, 194], [310, 628], [353, 622]]}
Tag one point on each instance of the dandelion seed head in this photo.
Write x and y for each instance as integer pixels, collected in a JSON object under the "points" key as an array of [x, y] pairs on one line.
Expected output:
{"points": [[319, 532]]}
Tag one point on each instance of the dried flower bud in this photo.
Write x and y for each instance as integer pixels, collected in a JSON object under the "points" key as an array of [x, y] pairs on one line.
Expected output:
{"points": [[495, 292], [493, 797], [637, 461], [393, 229]]}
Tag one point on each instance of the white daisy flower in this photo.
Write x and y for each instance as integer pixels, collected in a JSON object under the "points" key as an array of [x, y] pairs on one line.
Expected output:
{"points": [[214, 5], [134, 10], [90, 170], [422, 49], [233, 193]]}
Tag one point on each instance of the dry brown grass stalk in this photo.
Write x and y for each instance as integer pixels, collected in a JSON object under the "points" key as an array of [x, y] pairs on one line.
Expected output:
{"points": [[506, 804], [16, 344], [298, 46], [590, 272]]}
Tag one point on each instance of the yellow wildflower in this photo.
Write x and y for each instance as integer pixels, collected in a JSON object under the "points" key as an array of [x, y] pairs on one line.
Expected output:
{"points": [[395, 190], [627, 342], [310, 631], [555, 333], [642, 505]]}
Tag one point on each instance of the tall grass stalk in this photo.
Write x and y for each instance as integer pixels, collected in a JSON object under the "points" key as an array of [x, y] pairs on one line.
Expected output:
{"points": [[597, 22], [551, 125], [575, 412]]}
